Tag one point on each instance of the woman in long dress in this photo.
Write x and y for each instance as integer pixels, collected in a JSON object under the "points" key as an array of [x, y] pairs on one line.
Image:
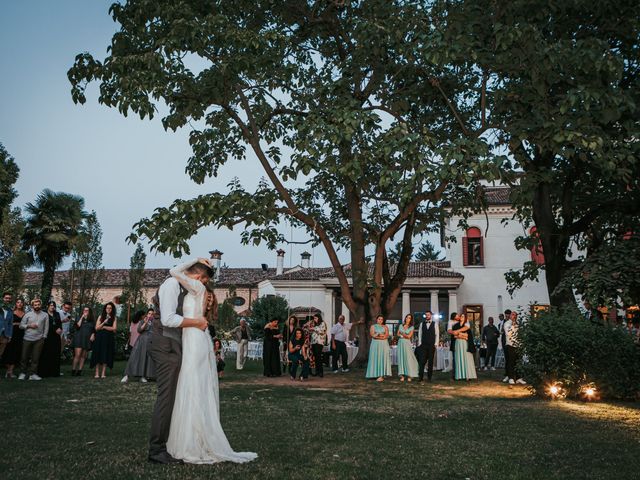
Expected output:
{"points": [[464, 363], [407, 363], [140, 364], [271, 349], [379, 365], [196, 435], [104, 347], [49, 365]]}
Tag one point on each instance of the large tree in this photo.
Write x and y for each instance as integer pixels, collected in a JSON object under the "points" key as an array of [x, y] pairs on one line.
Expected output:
{"points": [[133, 292], [358, 136], [53, 226], [8, 176], [562, 97], [12, 259], [85, 277]]}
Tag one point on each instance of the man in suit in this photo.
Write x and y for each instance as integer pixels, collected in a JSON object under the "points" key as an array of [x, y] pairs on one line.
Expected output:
{"points": [[6, 321], [166, 352], [428, 339]]}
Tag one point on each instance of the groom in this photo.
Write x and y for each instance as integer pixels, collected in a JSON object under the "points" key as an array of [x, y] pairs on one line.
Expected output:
{"points": [[428, 338], [166, 352]]}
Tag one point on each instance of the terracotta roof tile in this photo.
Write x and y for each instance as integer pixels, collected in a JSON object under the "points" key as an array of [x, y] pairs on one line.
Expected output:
{"points": [[497, 195]]}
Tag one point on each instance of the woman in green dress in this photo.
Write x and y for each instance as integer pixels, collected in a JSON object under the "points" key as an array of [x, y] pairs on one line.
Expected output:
{"points": [[379, 364], [407, 363], [464, 363]]}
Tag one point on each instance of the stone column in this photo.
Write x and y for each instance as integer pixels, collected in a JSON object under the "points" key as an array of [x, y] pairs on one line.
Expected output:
{"points": [[406, 304], [434, 302], [346, 313], [327, 314], [453, 302]]}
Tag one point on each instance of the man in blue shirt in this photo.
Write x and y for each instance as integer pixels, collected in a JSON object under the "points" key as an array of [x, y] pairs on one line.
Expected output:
{"points": [[6, 321]]}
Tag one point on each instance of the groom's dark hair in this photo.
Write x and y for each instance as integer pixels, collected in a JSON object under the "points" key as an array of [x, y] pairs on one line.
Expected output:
{"points": [[200, 268]]}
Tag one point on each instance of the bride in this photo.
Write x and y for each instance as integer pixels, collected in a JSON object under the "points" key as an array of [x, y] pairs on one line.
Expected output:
{"points": [[196, 435]]}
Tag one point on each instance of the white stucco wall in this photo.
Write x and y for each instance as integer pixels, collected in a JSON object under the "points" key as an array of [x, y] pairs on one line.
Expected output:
{"points": [[484, 284]]}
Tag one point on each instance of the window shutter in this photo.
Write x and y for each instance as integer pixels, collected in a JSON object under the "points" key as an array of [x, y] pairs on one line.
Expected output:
{"points": [[465, 251], [481, 251]]}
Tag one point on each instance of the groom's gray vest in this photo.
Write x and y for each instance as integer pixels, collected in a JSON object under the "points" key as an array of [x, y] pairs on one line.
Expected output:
{"points": [[170, 332]]}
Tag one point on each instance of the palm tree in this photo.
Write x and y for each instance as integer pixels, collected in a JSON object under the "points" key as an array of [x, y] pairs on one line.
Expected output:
{"points": [[53, 225]]}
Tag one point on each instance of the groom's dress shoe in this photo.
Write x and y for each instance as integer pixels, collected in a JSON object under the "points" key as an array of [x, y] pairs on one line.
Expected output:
{"points": [[165, 459]]}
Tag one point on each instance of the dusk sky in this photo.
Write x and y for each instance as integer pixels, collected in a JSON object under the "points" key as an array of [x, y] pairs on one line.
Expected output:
{"points": [[123, 167]]}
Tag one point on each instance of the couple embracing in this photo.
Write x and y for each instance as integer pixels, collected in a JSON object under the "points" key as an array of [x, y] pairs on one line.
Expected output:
{"points": [[186, 419]]}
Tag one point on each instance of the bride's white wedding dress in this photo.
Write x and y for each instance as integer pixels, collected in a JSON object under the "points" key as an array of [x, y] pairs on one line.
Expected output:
{"points": [[196, 435]]}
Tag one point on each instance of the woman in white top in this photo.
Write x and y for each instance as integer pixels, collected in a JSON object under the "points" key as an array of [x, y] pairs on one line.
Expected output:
{"points": [[196, 435]]}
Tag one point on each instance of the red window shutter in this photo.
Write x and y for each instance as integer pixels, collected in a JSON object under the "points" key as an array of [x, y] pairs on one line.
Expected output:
{"points": [[465, 251], [481, 251], [537, 255]]}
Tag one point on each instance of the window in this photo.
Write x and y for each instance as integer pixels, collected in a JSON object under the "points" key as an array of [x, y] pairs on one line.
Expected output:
{"points": [[536, 250], [472, 252], [474, 317]]}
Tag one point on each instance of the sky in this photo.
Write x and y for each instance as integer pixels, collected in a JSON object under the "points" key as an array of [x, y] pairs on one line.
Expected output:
{"points": [[123, 167]]}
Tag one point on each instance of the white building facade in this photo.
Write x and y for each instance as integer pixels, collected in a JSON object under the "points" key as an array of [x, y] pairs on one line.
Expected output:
{"points": [[471, 281]]}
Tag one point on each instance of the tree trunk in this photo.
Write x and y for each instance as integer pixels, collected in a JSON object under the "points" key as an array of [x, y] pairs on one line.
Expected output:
{"points": [[555, 245], [47, 283]]}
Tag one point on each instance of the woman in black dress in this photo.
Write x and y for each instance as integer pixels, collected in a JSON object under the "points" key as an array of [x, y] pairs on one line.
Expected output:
{"points": [[84, 333], [271, 349], [288, 332], [104, 348], [49, 365], [13, 352]]}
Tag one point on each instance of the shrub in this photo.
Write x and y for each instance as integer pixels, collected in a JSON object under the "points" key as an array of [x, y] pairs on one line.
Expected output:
{"points": [[562, 347], [265, 309]]}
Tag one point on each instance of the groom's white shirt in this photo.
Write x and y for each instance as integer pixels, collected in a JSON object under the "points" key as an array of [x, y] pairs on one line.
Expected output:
{"points": [[169, 293]]}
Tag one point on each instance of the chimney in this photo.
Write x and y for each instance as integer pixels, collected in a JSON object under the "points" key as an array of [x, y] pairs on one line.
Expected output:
{"points": [[280, 262], [305, 259], [216, 256]]}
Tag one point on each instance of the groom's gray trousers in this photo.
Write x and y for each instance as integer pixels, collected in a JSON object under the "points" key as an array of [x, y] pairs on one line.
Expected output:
{"points": [[167, 356]]}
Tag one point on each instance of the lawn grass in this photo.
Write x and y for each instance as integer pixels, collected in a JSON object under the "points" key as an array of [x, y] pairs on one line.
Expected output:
{"points": [[333, 428]]}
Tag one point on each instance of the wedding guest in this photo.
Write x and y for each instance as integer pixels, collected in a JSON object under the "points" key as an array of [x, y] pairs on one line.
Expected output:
{"points": [[453, 321], [65, 318], [339, 336], [379, 365], [407, 363], [211, 311], [140, 364], [288, 332], [318, 341], [6, 321], [465, 367], [49, 365], [271, 349], [104, 347], [307, 329], [133, 331], [84, 334], [490, 336], [298, 355], [503, 341], [219, 354], [511, 335], [428, 339], [242, 335], [36, 328], [13, 351]]}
